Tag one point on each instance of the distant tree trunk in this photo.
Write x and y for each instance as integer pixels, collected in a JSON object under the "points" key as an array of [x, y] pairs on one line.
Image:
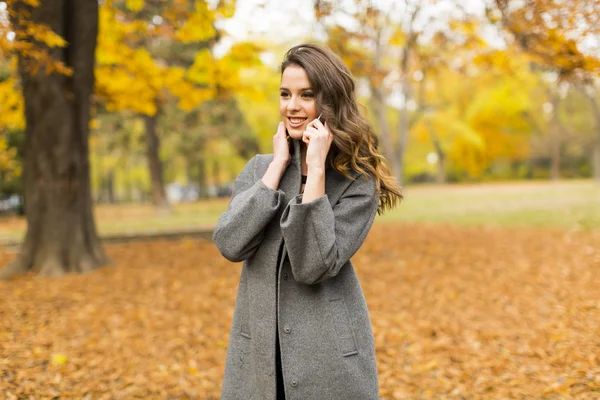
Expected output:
{"points": [[378, 104], [555, 158], [441, 155], [402, 131], [128, 190], [558, 135], [596, 149], [202, 184], [189, 175], [596, 160], [403, 123], [61, 234], [379, 107], [110, 186], [216, 173], [159, 196]]}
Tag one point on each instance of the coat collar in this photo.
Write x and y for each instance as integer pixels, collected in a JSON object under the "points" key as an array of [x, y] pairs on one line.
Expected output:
{"points": [[296, 150], [296, 154]]}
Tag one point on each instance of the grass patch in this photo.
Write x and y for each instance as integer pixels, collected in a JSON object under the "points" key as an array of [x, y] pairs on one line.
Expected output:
{"points": [[568, 204], [574, 205]]}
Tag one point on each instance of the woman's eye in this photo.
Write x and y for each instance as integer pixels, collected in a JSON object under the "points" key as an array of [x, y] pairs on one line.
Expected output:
{"points": [[283, 94], [308, 95]]}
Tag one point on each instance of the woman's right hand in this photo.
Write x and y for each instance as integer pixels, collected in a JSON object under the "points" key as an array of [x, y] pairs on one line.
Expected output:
{"points": [[281, 149], [281, 159]]}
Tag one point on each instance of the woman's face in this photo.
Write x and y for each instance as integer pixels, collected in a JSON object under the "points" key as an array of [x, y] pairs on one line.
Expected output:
{"points": [[297, 104]]}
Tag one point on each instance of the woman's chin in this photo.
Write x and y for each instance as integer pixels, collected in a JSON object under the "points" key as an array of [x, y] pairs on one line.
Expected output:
{"points": [[295, 134]]}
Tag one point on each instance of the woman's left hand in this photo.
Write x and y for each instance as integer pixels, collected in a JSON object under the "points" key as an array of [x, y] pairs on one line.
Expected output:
{"points": [[318, 139]]}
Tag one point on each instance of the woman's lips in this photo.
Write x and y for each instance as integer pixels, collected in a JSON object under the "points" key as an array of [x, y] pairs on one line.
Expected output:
{"points": [[296, 122]]}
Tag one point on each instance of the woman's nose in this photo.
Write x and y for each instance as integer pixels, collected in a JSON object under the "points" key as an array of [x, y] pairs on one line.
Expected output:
{"points": [[293, 104]]}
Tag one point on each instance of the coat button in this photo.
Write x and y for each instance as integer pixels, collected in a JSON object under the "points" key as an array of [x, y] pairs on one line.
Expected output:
{"points": [[287, 329], [285, 277], [294, 383]]}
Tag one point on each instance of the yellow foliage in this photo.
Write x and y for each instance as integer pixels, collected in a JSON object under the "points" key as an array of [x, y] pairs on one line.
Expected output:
{"points": [[126, 78], [226, 8], [8, 161], [227, 77], [6, 46], [199, 25], [462, 144], [497, 113], [398, 38], [45, 35], [244, 53], [481, 119], [131, 77], [258, 101], [191, 96], [202, 71], [25, 41], [11, 105], [134, 5], [122, 90]]}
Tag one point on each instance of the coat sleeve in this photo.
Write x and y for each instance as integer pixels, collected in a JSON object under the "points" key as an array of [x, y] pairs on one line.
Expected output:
{"points": [[240, 229], [320, 238]]}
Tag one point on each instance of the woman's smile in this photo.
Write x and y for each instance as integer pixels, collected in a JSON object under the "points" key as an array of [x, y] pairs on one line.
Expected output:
{"points": [[297, 122]]}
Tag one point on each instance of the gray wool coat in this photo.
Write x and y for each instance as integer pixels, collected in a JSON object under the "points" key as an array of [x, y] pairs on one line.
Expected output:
{"points": [[326, 340]]}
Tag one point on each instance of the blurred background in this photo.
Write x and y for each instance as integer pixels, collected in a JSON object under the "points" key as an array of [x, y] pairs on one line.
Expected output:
{"points": [[465, 91], [487, 110]]}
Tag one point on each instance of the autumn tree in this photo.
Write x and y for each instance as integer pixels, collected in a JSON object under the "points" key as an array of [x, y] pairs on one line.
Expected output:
{"points": [[56, 41], [557, 36], [155, 52], [387, 47], [134, 74], [363, 49]]}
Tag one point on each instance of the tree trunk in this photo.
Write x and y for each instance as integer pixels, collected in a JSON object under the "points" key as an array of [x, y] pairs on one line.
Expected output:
{"points": [[110, 186], [61, 235], [441, 155], [555, 158], [128, 190], [558, 137], [159, 197], [596, 161], [378, 104], [202, 181], [403, 124], [596, 150], [216, 173], [402, 142]]}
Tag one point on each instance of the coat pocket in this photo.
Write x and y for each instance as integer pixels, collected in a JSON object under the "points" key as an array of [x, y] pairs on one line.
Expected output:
{"points": [[244, 310], [344, 340]]}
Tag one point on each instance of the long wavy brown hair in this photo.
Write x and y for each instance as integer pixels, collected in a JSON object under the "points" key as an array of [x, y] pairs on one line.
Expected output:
{"points": [[355, 145]]}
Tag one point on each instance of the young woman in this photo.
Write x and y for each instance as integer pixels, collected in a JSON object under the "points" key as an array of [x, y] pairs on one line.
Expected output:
{"points": [[301, 328]]}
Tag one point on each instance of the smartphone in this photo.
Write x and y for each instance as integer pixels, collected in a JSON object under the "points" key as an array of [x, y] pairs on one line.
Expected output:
{"points": [[320, 118]]}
